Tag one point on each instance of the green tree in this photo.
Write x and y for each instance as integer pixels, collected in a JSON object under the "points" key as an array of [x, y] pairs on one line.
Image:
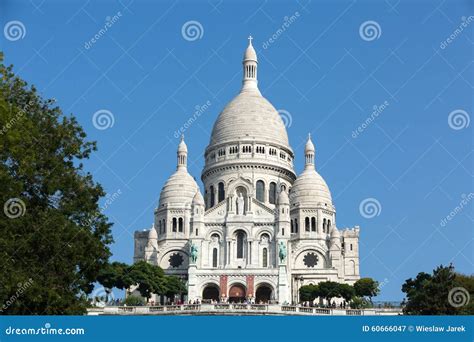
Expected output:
{"points": [[435, 294], [308, 292], [113, 275], [149, 278], [52, 230], [346, 291], [174, 286], [328, 290], [366, 287], [134, 301]]}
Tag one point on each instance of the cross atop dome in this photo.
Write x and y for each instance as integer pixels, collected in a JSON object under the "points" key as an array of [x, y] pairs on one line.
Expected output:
{"points": [[250, 39]]}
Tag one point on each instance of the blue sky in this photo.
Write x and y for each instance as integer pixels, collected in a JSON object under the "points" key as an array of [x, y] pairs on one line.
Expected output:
{"points": [[324, 72]]}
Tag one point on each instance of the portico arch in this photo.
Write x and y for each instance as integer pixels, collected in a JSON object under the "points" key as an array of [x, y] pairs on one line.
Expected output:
{"points": [[211, 292], [237, 293], [264, 293]]}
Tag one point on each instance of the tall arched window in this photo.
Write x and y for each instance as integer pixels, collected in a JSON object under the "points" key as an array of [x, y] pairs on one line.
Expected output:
{"points": [[214, 257], [296, 225], [159, 227], [313, 224], [328, 227], [324, 225], [272, 193], [221, 192], [265, 257], [212, 196], [292, 227], [261, 191], [180, 224], [306, 224], [175, 224], [164, 226], [240, 245]]}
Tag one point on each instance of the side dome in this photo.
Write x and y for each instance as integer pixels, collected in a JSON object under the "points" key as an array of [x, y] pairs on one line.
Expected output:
{"points": [[198, 199], [309, 188], [283, 198], [180, 188], [249, 115], [152, 233]]}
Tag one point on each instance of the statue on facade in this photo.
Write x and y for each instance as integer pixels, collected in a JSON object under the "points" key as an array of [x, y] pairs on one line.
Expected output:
{"points": [[240, 204], [194, 252], [282, 251]]}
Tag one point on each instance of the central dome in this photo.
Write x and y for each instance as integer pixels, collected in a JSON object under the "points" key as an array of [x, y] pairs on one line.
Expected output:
{"points": [[249, 115]]}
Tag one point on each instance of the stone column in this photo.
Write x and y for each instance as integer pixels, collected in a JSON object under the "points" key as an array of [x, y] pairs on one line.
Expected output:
{"points": [[192, 282], [283, 293], [250, 286], [223, 285]]}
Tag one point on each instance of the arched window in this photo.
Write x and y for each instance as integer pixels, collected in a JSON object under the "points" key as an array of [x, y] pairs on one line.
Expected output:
{"points": [[175, 224], [180, 224], [306, 224], [283, 187], [221, 192], [265, 257], [324, 225], [214, 257], [272, 193], [292, 227], [212, 196], [261, 191], [296, 225], [159, 227], [164, 226], [313, 224], [240, 245], [328, 227]]}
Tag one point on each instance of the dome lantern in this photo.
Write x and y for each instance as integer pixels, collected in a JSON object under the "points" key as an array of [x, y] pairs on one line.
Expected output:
{"points": [[309, 153], [182, 154], [250, 68]]}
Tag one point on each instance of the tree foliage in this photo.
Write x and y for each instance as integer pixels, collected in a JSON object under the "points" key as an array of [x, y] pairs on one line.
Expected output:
{"points": [[55, 235], [327, 290], [435, 294], [366, 287], [149, 278]]}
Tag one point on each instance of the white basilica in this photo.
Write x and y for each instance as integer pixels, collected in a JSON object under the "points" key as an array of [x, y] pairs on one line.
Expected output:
{"points": [[260, 231]]}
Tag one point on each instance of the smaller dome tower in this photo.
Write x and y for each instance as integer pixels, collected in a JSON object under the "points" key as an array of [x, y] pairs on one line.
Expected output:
{"points": [[312, 210]]}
